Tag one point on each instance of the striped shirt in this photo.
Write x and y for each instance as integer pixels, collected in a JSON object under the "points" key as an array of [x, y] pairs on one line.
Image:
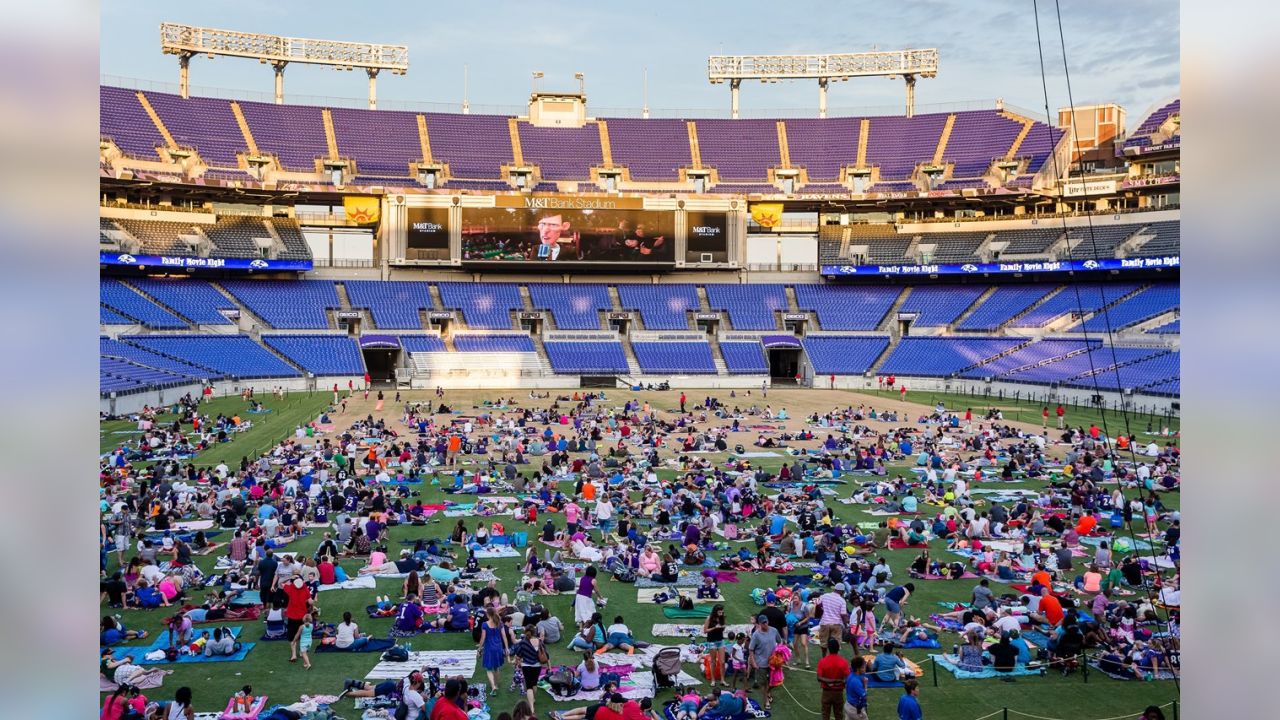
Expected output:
{"points": [[833, 608]]}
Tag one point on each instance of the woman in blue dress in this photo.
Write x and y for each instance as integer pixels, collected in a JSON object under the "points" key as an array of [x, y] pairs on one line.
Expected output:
{"points": [[493, 647]]}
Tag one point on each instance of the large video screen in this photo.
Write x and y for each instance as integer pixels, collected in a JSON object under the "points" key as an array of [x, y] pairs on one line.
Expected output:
{"points": [[574, 235], [428, 228], [708, 231]]}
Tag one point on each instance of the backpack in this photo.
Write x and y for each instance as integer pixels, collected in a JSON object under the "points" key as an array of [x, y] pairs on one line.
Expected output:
{"points": [[396, 653], [686, 602], [564, 681], [402, 711]]}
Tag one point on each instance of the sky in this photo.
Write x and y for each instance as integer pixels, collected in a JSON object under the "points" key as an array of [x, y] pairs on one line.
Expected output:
{"points": [[1122, 51]]}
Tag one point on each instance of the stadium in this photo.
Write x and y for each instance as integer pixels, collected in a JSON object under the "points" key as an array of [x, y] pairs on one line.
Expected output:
{"points": [[429, 317]]}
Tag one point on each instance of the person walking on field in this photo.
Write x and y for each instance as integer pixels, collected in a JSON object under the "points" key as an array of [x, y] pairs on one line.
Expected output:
{"points": [[1044, 418], [833, 671], [682, 399], [1062, 412]]}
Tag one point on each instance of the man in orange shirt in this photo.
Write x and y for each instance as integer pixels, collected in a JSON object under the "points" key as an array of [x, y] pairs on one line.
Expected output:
{"points": [[1051, 609], [455, 444]]}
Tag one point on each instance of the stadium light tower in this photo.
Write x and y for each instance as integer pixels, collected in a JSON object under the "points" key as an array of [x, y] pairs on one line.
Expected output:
{"points": [[187, 41], [910, 64]]}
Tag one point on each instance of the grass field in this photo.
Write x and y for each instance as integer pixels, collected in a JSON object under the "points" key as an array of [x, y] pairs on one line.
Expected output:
{"points": [[268, 670], [268, 428], [1029, 411]]}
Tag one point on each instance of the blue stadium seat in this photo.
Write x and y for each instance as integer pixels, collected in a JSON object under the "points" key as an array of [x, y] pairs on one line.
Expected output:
{"points": [[287, 304], [320, 354], [750, 307], [486, 306], [196, 300], [493, 343], [574, 306], [661, 307], [692, 358], [586, 358], [393, 304], [744, 358], [843, 355], [847, 307], [232, 355], [122, 299], [943, 356]]}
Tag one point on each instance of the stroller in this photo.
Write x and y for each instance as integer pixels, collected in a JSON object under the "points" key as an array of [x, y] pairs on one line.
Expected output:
{"points": [[666, 667]]}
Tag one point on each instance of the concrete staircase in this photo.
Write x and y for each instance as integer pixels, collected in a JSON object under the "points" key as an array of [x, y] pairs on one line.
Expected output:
{"points": [[717, 356], [153, 299], [970, 310], [864, 131], [890, 321], [633, 365], [330, 137], [248, 320], [893, 343], [941, 150]]}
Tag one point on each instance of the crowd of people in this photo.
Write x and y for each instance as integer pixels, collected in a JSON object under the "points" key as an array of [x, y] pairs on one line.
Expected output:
{"points": [[595, 466]]}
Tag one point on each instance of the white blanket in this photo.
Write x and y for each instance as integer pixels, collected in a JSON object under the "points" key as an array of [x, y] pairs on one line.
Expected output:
{"points": [[364, 581], [450, 662]]}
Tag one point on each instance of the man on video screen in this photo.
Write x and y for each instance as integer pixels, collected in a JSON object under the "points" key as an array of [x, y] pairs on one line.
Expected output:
{"points": [[640, 245], [550, 228]]}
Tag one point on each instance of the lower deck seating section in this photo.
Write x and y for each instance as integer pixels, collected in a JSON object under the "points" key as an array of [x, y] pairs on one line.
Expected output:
{"points": [[106, 316], [287, 304], [196, 300], [1002, 305], [744, 358], [1134, 374], [1074, 298], [1098, 360], [121, 375], [422, 343], [661, 307], [750, 307], [1032, 354], [394, 304], [675, 357], [319, 354], [233, 355], [141, 356], [494, 343], [121, 298], [943, 356], [574, 306], [1146, 304], [1171, 388], [940, 304], [483, 305], [847, 307], [587, 358], [843, 355]]}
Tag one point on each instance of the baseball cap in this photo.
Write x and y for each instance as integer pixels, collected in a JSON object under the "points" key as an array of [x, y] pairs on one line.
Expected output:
{"points": [[762, 619]]}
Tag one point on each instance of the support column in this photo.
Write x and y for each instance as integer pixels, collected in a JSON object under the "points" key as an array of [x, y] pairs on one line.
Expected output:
{"points": [[279, 68], [822, 97], [911, 94], [373, 87], [184, 79], [733, 97]]}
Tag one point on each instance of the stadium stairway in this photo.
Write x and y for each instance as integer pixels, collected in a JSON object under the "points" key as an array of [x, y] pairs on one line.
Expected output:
{"points": [[633, 365], [704, 305], [344, 303], [970, 310], [153, 299], [258, 324], [424, 319], [717, 356], [1067, 321], [1155, 322], [874, 367], [912, 251], [891, 317], [793, 304], [1008, 323]]}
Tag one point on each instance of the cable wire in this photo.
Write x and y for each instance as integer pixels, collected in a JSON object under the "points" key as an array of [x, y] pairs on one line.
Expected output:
{"points": [[1093, 371]]}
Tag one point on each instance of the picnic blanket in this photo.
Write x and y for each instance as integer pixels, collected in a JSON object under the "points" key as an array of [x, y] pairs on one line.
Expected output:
{"points": [[1162, 675], [375, 645], [643, 657], [684, 631], [755, 454], [986, 672], [873, 681], [248, 597], [675, 613], [451, 662], [149, 679], [685, 579], [896, 544], [161, 643], [752, 711], [646, 595], [363, 582], [634, 686], [497, 551]]}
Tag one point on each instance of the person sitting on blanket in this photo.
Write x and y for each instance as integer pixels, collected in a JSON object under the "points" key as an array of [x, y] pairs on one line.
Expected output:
{"points": [[588, 672], [590, 634], [971, 657], [221, 644], [458, 619], [889, 666]]}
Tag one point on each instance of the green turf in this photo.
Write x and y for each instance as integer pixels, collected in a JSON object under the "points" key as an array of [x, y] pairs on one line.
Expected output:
{"points": [[268, 428], [268, 670], [1029, 411]]}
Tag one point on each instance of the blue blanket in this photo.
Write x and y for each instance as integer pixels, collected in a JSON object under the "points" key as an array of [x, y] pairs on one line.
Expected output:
{"points": [[986, 672], [162, 642]]}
